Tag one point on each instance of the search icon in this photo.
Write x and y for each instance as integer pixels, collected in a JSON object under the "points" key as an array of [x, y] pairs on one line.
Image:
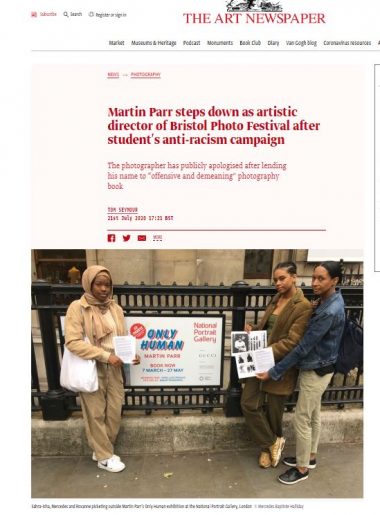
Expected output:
{"points": [[65, 13]]}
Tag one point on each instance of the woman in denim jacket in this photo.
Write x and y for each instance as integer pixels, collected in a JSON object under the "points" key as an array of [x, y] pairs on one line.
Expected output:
{"points": [[315, 356]]}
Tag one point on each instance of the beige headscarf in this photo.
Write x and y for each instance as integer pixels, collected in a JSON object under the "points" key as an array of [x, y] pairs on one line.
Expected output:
{"points": [[100, 327]]}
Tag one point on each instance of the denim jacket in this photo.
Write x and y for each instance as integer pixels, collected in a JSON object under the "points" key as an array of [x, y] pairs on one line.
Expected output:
{"points": [[320, 342]]}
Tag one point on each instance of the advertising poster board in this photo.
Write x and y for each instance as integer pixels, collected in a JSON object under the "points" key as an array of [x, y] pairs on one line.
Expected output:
{"points": [[178, 350]]}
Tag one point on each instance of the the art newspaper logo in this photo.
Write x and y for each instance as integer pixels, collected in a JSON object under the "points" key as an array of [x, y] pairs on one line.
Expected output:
{"points": [[253, 6]]}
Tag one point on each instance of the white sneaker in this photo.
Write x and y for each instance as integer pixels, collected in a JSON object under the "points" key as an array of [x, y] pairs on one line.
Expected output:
{"points": [[114, 456], [112, 464]]}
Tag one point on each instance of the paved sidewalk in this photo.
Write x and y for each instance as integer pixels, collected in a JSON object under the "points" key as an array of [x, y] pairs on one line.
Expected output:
{"points": [[202, 475]]}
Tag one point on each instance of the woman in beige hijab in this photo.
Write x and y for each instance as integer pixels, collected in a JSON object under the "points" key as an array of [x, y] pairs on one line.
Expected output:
{"points": [[90, 325]]}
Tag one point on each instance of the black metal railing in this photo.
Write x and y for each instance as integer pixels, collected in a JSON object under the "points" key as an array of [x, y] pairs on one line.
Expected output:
{"points": [[237, 302]]}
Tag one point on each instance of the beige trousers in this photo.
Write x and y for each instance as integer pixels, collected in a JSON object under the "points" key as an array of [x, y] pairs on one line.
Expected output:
{"points": [[307, 421], [102, 410]]}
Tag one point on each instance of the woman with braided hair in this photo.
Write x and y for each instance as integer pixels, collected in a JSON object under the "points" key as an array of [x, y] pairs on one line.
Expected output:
{"points": [[285, 320]]}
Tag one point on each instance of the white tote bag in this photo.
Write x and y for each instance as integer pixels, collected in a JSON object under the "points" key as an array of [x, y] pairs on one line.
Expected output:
{"points": [[77, 374]]}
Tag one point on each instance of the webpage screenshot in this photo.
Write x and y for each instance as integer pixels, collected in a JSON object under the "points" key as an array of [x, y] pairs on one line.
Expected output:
{"points": [[206, 125]]}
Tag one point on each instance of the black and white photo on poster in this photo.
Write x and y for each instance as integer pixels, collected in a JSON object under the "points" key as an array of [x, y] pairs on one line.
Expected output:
{"points": [[257, 340], [249, 363], [239, 342], [242, 341]]}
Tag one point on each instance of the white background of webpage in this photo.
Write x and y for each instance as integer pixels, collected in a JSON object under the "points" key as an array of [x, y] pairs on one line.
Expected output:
{"points": [[15, 234]]}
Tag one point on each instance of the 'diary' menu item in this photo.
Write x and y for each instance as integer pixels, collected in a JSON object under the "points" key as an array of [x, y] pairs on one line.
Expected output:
{"points": [[251, 352]]}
